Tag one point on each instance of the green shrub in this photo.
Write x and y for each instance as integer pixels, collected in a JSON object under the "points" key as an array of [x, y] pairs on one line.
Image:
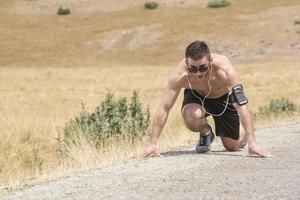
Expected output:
{"points": [[151, 5], [278, 106], [63, 10], [120, 119], [297, 22], [218, 4]]}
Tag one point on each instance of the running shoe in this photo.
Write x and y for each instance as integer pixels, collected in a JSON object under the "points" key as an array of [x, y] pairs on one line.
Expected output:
{"points": [[204, 143]]}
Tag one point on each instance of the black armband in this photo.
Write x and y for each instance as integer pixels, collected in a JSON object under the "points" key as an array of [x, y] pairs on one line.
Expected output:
{"points": [[238, 95]]}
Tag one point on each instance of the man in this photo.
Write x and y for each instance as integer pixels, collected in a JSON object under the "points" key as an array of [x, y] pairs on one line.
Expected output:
{"points": [[212, 87]]}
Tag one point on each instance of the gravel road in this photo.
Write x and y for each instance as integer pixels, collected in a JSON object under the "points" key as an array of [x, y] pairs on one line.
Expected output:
{"points": [[183, 174]]}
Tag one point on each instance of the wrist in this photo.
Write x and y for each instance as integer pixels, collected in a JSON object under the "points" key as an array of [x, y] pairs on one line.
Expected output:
{"points": [[251, 138], [251, 143], [153, 143]]}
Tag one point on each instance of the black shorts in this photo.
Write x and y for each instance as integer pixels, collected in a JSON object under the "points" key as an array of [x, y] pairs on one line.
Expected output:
{"points": [[228, 124]]}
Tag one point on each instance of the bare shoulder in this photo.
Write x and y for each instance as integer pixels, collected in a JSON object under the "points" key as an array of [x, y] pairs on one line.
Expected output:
{"points": [[175, 79], [221, 61], [225, 71]]}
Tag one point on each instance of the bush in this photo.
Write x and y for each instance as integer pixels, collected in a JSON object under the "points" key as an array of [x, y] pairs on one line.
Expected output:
{"points": [[297, 22], [120, 119], [218, 4], [278, 106], [151, 5], [63, 10]]}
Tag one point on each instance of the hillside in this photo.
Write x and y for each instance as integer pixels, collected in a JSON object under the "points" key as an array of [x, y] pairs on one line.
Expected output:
{"points": [[123, 32]]}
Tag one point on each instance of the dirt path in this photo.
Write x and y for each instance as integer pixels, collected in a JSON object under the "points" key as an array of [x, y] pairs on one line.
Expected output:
{"points": [[183, 174]]}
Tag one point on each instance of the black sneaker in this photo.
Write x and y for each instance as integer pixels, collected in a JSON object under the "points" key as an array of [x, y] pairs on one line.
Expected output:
{"points": [[244, 142], [204, 143]]}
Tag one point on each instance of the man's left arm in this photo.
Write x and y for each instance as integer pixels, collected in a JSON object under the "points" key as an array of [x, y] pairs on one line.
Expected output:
{"points": [[232, 80], [247, 123]]}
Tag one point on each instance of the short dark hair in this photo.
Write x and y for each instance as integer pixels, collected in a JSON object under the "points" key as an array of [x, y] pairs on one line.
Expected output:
{"points": [[197, 50]]}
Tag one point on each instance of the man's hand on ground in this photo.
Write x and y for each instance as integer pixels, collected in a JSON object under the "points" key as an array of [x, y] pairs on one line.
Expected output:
{"points": [[257, 150], [151, 150]]}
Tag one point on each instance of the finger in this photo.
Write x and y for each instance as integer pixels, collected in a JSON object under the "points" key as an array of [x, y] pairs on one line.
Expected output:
{"points": [[265, 153], [144, 155], [257, 152], [153, 154], [268, 154], [261, 153], [150, 153], [147, 154], [156, 154]]}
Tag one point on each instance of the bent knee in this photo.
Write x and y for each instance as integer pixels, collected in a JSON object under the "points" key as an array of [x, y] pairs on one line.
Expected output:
{"points": [[193, 117], [196, 128], [194, 122], [231, 148], [192, 111], [230, 145]]}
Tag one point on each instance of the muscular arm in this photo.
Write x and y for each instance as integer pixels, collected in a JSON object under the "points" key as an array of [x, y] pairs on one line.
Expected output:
{"points": [[247, 122], [160, 118], [231, 80], [170, 95]]}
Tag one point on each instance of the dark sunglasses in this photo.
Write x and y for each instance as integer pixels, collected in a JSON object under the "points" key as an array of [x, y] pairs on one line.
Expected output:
{"points": [[194, 69]]}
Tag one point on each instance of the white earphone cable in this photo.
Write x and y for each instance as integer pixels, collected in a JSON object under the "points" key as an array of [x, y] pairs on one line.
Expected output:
{"points": [[202, 101]]}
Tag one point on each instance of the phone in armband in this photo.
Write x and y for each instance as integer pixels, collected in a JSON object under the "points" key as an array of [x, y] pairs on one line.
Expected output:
{"points": [[239, 95]]}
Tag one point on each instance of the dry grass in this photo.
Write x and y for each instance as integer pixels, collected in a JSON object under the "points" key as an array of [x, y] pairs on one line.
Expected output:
{"points": [[35, 102], [47, 40], [50, 64], [38, 101]]}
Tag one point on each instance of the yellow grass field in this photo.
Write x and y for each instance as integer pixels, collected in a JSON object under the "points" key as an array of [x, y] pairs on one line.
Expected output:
{"points": [[35, 102], [50, 64]]}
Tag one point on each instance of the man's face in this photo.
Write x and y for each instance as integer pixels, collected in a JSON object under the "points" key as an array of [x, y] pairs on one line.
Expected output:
{"points": [[198, 68]]}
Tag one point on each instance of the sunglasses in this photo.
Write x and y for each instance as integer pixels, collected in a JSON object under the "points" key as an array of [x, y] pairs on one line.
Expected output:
{"points": [[201, 68]]}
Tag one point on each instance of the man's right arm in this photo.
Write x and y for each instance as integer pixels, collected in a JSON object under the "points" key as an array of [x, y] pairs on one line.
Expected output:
{"points": [[160, 118]]}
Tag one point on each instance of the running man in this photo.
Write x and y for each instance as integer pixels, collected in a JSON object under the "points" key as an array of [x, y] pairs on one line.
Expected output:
{"points": [[211, 87]]}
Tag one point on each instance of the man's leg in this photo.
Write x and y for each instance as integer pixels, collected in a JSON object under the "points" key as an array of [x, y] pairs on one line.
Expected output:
{"points": [[231, 144], [194, 118]]}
